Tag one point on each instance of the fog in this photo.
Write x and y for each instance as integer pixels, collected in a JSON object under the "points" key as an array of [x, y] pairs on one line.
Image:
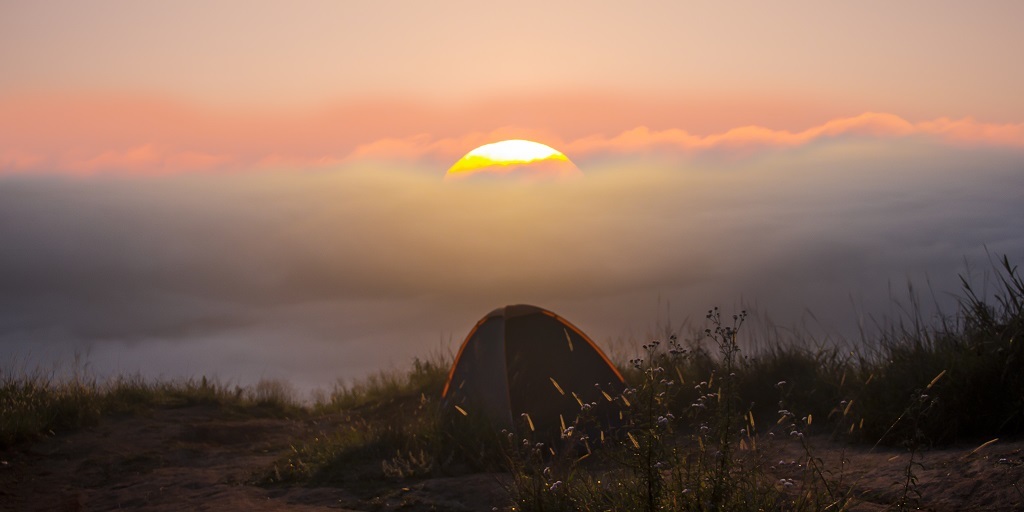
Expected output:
{"points": [[315, 276]]}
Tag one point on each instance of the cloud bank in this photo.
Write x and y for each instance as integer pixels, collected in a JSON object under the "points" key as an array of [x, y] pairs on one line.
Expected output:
{"points": [[316, 275]]}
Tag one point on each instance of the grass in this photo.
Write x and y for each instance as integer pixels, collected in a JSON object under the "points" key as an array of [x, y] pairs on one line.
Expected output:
{"points": [[699, 415], [37, 405], [426, 377], [389, 418]]}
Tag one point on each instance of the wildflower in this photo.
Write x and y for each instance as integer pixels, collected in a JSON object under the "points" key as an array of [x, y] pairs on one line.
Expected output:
{"points": [[555, 486], [662, 422]]}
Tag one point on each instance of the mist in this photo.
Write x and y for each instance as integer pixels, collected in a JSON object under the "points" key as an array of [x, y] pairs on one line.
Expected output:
{"points": [[314, 276]]}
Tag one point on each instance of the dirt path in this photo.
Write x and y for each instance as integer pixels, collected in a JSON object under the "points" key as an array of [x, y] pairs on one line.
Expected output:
{"points": [[204, 458]]}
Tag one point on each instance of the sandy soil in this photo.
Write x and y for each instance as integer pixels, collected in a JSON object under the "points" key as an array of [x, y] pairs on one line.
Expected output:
{"points": [[203, 458]]}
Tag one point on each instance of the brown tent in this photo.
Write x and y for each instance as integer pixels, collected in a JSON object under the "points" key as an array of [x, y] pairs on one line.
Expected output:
{"points": [[524, 359]]}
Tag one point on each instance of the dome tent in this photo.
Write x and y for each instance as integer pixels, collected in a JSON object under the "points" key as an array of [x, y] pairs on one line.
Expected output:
{"points": [[524, 359]]}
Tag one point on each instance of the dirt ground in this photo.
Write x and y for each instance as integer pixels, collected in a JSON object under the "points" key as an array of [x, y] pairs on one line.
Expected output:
{"points": [[203, 458]]}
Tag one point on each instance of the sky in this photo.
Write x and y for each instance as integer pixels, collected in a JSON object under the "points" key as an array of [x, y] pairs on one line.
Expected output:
{"points": [[254, 190]]}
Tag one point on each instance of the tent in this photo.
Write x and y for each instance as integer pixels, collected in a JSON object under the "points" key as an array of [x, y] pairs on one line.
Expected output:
{"points": [[524, 359]]}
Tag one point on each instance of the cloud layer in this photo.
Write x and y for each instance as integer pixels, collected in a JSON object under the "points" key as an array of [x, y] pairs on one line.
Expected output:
{"points": [[312, 276]]}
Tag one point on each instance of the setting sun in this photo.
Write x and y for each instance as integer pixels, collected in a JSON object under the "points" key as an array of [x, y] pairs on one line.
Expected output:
{"points": [[521, 158]]}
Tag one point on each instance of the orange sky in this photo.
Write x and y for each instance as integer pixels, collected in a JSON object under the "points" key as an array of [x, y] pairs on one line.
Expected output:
{"points": [[89, 135], [99, 86]]}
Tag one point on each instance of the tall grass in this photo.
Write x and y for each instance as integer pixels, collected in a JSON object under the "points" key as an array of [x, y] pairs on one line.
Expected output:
{"points": [[980, 350]]}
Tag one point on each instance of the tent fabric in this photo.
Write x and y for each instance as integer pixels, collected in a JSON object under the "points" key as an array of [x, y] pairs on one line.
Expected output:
{"points": [[524, 359]]}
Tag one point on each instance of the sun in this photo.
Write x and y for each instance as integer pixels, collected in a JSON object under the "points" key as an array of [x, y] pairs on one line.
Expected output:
{"points": [[516, 158]]}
